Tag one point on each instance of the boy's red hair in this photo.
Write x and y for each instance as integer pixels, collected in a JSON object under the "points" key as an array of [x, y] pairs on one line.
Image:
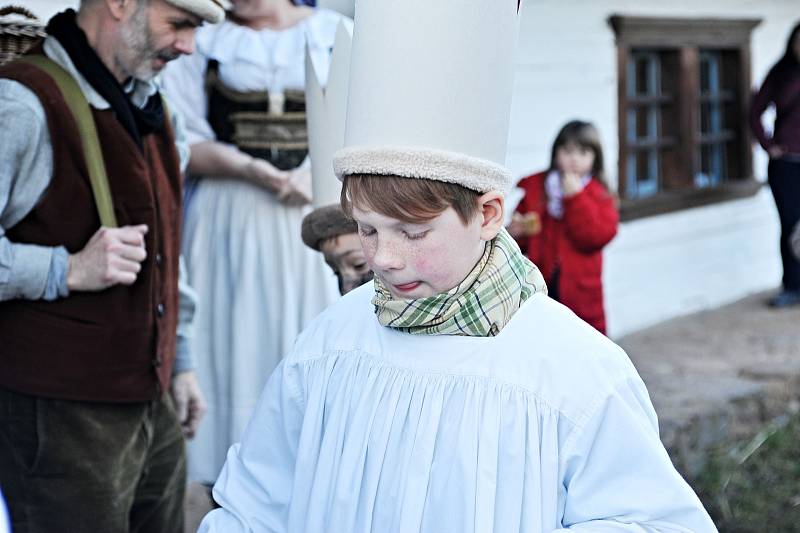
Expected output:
{"points": [[412, 200]]}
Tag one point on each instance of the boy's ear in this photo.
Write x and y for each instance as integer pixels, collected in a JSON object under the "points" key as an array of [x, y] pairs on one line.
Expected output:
{"points": [[491, 209]]}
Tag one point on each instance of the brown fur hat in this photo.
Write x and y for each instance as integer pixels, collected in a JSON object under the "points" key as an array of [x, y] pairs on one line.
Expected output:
{"points": [[325, 223]]}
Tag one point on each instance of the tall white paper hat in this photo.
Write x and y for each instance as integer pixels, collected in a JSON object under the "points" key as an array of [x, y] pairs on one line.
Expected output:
{"points": [[325, 116], [430, 91]]}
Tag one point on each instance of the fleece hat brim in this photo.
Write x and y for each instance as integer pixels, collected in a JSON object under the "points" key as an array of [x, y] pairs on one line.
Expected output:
{"points": [[473, 173]]}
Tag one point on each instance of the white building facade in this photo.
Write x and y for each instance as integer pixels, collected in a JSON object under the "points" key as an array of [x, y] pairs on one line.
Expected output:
{"points": [[571, 65], [664, 265]]}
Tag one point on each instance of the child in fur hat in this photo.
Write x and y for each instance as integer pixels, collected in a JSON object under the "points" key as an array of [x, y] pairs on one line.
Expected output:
{"points": [[451, 394], [329, 231]]}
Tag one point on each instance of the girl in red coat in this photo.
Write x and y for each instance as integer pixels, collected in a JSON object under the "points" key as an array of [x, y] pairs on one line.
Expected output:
{"points": [[566, 218]]}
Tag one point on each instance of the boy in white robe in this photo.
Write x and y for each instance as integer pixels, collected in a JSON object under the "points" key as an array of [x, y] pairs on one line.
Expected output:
{"points": [[451, 395]]}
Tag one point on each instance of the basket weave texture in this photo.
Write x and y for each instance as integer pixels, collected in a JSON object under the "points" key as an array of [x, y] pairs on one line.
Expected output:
{"points": [[19, 30]]}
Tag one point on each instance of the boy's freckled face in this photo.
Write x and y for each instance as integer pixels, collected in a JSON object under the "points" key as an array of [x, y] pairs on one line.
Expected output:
{"points": [[419, 260]]}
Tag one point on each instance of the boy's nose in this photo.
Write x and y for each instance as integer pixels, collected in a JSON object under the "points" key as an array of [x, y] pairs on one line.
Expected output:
{"points": [[386, 257]]}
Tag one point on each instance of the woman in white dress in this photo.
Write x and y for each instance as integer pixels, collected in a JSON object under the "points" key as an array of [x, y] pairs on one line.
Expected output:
{"points": [[241, 95]]}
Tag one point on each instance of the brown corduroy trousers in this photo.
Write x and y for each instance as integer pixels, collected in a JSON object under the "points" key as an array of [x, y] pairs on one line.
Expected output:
{"points": [[91, 467]]}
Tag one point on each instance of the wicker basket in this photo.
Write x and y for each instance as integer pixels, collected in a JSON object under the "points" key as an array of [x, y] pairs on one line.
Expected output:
{"points": [[19, 30]]}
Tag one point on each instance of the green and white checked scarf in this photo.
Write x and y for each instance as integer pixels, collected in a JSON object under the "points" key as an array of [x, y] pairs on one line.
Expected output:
{"points": [[479, 306]]}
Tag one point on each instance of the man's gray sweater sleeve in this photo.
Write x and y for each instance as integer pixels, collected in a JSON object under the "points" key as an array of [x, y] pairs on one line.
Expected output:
{"points": [[187, 302], [27, 271]]}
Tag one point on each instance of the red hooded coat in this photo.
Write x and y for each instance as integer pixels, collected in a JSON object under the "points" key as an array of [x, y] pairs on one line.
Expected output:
{"points": [[573, 244]]}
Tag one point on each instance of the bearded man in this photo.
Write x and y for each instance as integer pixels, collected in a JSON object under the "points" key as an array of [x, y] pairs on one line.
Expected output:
{"points": [[91, 317]]}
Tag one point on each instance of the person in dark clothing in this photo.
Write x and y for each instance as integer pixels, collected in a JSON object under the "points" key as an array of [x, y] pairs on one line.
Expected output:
{"points": [[781, 88]]}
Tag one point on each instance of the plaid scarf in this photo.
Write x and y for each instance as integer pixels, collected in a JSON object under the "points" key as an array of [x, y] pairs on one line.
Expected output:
{"points": [[479, 306]]}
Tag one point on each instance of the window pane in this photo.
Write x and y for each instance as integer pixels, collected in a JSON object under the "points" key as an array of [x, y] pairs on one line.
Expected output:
{"points": [[711, 122], [703, 178], [630, 173], [646, 120], [653, 123], [712, 165], [719, 115], [668, 69], [643, 74], [730, 119], [710, 82], [642, 167], [722, 161], [705, 118], [642, 123], [642, 170], [704, 75], [715, 118], [729, 67], [631, 125]]}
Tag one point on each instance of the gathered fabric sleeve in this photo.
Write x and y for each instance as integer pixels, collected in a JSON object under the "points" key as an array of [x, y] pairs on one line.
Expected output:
{"points": [[184, 85], [617, 476], [590, 218], [255, 486], [760, 102]]}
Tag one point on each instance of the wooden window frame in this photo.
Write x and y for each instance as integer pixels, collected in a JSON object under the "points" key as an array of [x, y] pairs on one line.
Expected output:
{"points": [[686, 36]]}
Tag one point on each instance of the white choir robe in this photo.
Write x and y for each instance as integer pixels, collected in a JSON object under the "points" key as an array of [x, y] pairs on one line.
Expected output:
{"points": [[362, 428]]}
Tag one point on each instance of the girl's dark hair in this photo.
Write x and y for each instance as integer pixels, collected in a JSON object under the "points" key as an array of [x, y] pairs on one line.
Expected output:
{"points": [[585, 135], [789, 58]]}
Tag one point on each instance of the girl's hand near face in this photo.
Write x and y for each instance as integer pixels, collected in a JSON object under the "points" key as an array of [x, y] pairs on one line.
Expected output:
{"points": [[517, 227], [571, 184], [524, 225]]}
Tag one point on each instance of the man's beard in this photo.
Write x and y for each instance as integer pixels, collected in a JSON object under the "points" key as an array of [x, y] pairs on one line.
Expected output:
{"points": [[138, 40]]}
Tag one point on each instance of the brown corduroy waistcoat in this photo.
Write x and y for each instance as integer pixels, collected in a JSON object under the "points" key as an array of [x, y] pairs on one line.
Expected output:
{"points": [[116, 345]]}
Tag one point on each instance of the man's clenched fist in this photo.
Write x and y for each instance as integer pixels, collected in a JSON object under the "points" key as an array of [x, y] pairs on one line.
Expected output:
{"points": [[112, 256]]}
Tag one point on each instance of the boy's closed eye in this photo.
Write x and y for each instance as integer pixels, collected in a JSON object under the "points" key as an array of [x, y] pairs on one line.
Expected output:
{"points": [[366, 231], [412, 236]]}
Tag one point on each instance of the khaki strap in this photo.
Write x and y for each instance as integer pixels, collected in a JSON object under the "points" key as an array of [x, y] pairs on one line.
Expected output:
{"points": [[79, 107]]}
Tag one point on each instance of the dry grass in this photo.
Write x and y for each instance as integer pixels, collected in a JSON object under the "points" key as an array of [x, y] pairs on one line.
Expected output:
{"points": [[755, 485]]}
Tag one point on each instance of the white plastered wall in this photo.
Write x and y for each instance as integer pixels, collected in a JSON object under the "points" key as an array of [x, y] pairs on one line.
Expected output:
{"points": [[663, 266]]}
